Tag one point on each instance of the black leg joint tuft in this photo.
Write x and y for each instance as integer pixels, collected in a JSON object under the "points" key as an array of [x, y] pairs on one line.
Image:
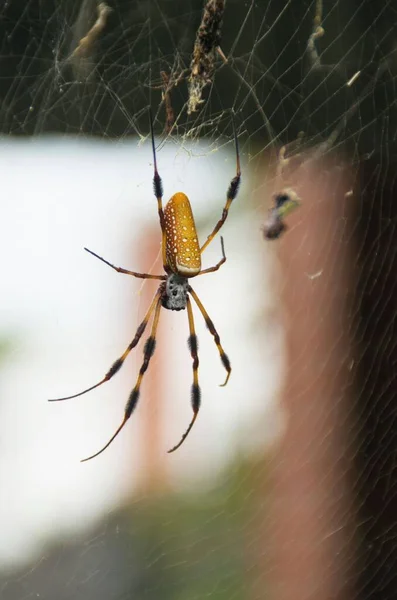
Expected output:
{"points": [[210, 326], [141, 329], [225, 361], [196, 397], [150, 346], [233, 188], [148, 351], [132, 402], [192, 342], [157, 186], [116, 366]]}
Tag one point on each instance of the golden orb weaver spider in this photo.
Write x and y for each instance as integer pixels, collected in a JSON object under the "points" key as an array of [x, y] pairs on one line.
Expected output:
{"points": [[181, 254]]}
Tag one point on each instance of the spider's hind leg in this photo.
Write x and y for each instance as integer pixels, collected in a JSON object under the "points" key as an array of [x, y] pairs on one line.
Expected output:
{"points": [[116, 366], [224, 358], [148, 351], [158, 191], [196, 393]]}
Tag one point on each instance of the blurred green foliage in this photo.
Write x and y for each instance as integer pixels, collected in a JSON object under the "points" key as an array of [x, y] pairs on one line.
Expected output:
{"points": [[194, 545]]}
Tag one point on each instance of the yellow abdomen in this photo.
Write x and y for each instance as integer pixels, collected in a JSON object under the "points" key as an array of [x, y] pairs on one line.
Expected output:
{"points": [[182, 248]]}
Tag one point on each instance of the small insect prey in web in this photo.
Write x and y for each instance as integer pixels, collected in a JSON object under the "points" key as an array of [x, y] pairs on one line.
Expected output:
{"points": [[181, 253], [207, 44], [286, 200]]}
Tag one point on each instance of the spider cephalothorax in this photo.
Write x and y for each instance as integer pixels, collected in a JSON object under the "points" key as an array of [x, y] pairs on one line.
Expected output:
{"points": [[174, 292], [181, 254]]}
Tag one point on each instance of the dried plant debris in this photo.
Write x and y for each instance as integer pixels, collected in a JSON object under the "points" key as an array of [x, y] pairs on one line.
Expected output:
{"points": [[166, 97], [168, 82], [207, 45], [83, 56], [318, 31]]}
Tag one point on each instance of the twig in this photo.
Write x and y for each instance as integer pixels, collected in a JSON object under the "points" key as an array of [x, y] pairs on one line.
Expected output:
{"points": [[166, 96], [206, 46]]}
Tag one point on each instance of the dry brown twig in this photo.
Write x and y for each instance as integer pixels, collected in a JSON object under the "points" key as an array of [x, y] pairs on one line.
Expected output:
{"points": [[166, 97], [169, 82], [206, 46]]}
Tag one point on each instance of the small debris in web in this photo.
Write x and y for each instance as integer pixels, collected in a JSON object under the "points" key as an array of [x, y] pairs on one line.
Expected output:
{"points": [[318, 31], [83, 54], [206, 46], [314, 275]]}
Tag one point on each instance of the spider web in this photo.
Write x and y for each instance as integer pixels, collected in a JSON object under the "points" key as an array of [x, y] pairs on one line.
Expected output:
{"points": [[286, 486]]}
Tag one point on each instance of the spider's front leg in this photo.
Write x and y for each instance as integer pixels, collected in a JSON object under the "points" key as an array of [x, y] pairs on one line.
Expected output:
{"points": [[158, 192], [218, 264], [121, 270], [230, 196]]}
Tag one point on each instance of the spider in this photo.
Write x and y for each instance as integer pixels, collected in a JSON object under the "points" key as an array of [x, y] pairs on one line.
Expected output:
{"points": [[181, 254]]}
